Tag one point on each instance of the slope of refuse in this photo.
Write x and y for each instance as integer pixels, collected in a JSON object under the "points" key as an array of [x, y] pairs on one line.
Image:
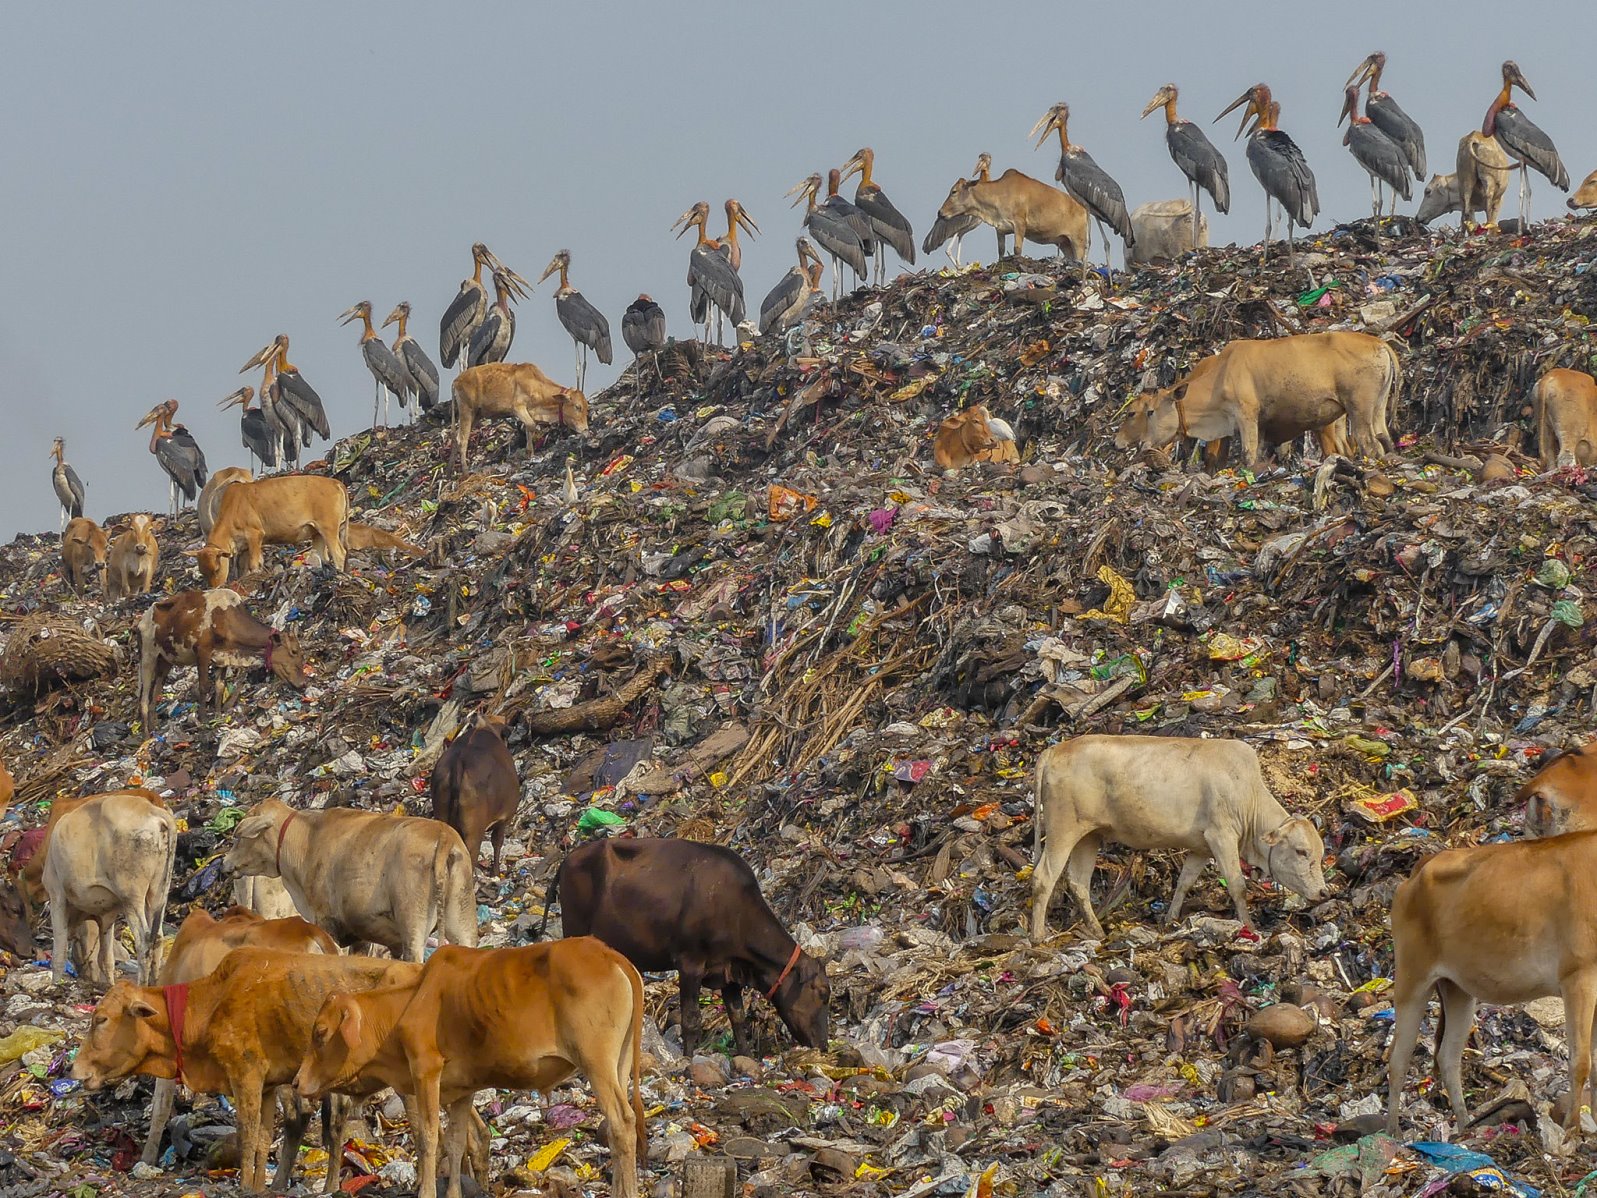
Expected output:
{"points": [[767, 620]]}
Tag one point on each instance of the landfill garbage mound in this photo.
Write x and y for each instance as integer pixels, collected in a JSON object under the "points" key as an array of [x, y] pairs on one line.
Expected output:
{"points": [[766, 619]]}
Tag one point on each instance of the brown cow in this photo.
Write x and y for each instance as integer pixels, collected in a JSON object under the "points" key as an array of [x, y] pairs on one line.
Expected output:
{"points": [[111, 856], [135, 556], [364, 877], [1498, 923], [1562, 795], [286, 509], [1026, 208], [973, 435], [211, 493], [1306, 381], [511, 1018], [209, 629], [366, 536], [474, 786], [1565, 403], [83, 551], [198, 948], [516, 389], [241, 1030], [696, 908], [1585, 195]]}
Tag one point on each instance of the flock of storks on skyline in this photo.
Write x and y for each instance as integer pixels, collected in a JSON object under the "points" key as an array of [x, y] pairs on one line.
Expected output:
{"points": [[1384, 140]]}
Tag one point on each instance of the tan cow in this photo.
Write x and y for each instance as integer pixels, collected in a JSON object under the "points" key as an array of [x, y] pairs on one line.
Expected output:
{"points": [[1021, 207], [199, 947], [361, 537], [240, 1030], [112, 856], [511, 1018], [1565, 403], [267, 897], [1206, 797], [135, 557], [516, 389], [363, 876], [83, 551], [30, 878], [209, 630], [973, 435], [1497, 923], [1483, 169], [1306, 381], [1585, 195], [286, 509], [211, 494], [1562, 795]]}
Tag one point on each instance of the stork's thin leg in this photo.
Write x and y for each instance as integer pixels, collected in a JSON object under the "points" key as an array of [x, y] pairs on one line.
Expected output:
{"points": [[1195, 216]]}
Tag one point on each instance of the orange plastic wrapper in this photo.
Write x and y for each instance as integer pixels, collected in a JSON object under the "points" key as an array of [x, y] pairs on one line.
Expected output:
{"points": [[784, 504]]}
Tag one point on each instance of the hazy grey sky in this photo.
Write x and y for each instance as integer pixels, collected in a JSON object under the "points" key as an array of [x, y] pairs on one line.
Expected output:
{"points": [[183, 181]]}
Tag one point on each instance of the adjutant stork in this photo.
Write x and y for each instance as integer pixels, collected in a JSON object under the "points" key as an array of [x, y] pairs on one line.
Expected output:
{"points": [[1381, 157], [1520, 137], [388, 375], [945, 227], [712, 279], [857, 219], [586, 324], [1087, 182], [785, 304], [259, 436], [177, 453], [418, 366], [491, 340], [282, 420], [68, 486], [887, 222], [1203, 165], [1277, 164], [467, 310], [643, 329], [292, 391], [1386, 116], [833, 232]]}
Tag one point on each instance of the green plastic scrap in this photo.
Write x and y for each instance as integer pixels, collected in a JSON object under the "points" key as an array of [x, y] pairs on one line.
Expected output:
{"points": [[1552, 574], [595, 818], [1567, 611]]}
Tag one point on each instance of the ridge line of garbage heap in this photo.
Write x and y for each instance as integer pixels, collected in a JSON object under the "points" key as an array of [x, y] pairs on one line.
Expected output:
{"points": [[849, 664]]}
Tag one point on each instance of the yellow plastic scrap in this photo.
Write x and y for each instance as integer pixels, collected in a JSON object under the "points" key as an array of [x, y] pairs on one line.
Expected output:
{"points": [[982, 1187], [913, 388], [547, 1155], [25, 1039], [1121, 596], [870, 1172]]}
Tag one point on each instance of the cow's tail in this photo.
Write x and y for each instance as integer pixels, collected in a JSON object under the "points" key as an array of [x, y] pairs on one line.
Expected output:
{"points": [[550, 896], [1394, 385], [456, 896], [635, 1092]]}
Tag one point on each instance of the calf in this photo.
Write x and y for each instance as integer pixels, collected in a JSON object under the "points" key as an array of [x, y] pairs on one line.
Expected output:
{"points": [[516, 389], [511, 1018], [368, 537], [286, 509], [974, 435], [83, 551], [30, 877], [474, 786], [696, 908], [210, 500], [1497, 923], [240, 1030], [110, 856], [209, 629], [364, 877], [135, 556], [201, 944], [1562, 795], [1565, 403], [1206, 797]]}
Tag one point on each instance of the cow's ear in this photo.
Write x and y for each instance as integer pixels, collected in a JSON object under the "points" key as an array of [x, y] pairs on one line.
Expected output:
{"points": [[1277, 835], [140, 1009], [349, 1026], [1179, 393]]}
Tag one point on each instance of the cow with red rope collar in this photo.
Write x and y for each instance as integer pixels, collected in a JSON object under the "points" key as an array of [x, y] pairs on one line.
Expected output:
{"points": [[211, 631], [697, 908]]}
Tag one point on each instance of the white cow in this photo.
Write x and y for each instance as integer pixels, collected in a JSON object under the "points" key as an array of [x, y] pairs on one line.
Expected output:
{"points": [[1163, 231]]}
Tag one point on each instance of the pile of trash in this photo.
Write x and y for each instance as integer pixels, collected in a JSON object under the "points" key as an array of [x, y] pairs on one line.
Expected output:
{"points": [[767, 620]]}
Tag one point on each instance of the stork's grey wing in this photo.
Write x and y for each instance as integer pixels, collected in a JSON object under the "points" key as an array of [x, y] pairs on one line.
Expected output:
{"points": [[1403, 129], [1200, 161], [463, 314], [1092, 186], [1522, 139], [422, 370], [888, 223]]}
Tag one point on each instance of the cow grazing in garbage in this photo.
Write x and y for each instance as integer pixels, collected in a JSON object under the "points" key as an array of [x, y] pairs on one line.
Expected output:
{"points": [[677, 904], [516, 389], [199, 947], [286, 509], [1499, 923], [1162, 231], [135, 557], [241, 1030], [84, 549], [1565, 404], [1562, 795], [1479, 181], [1585, 195], [1205, 797], [1024, 208], [511, 1018], [362, 876], [210, 501], [210, 630], [474, 786]]}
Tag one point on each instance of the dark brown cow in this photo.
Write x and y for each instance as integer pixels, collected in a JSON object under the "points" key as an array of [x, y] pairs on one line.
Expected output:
{"points": [[474, 786], [1562, 795], [696, 908], [206, 629]]}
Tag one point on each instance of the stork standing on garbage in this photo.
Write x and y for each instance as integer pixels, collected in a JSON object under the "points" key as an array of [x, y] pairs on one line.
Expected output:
{"points": [[1518, 135], [1087, 182], [1203, 165], [1385, 115], [68, 486], [1277, 164]]}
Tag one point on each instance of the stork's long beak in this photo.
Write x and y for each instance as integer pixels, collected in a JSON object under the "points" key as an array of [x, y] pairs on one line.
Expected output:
{"points": [[747, 221], [518, 285], [1362, 72], [349, 314], [1048, 123], [685, 222], [554, 265], [800, 189], [392, 318], [240, 397], [1160, 98], [1245, 98], [853, 166], [1519, 81], [150, 417], [1350, 103]]}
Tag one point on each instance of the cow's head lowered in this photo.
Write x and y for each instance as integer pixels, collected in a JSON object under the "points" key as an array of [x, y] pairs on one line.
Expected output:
{"points": [[804, 1000], [286, 659], [128, 1033], [338, 1050], [1294, 855], [254, 851]]}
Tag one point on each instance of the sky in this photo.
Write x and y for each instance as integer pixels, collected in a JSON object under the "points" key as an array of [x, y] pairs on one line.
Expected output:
{"points": [[183, 181]]}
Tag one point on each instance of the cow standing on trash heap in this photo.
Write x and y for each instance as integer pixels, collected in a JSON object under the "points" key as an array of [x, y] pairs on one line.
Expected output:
{"points": [[1026, 209], [1206, 797], [697, 908], [286, 509], [474, 786], [84, 551], [1565, 406]]}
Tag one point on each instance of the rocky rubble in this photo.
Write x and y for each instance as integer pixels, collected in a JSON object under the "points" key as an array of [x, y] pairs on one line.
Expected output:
{"points": [[767, 620]]}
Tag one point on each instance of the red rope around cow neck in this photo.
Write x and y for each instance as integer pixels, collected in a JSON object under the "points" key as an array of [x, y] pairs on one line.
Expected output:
{"points": [[282, 831], [782, 977], [177, 1001]]}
